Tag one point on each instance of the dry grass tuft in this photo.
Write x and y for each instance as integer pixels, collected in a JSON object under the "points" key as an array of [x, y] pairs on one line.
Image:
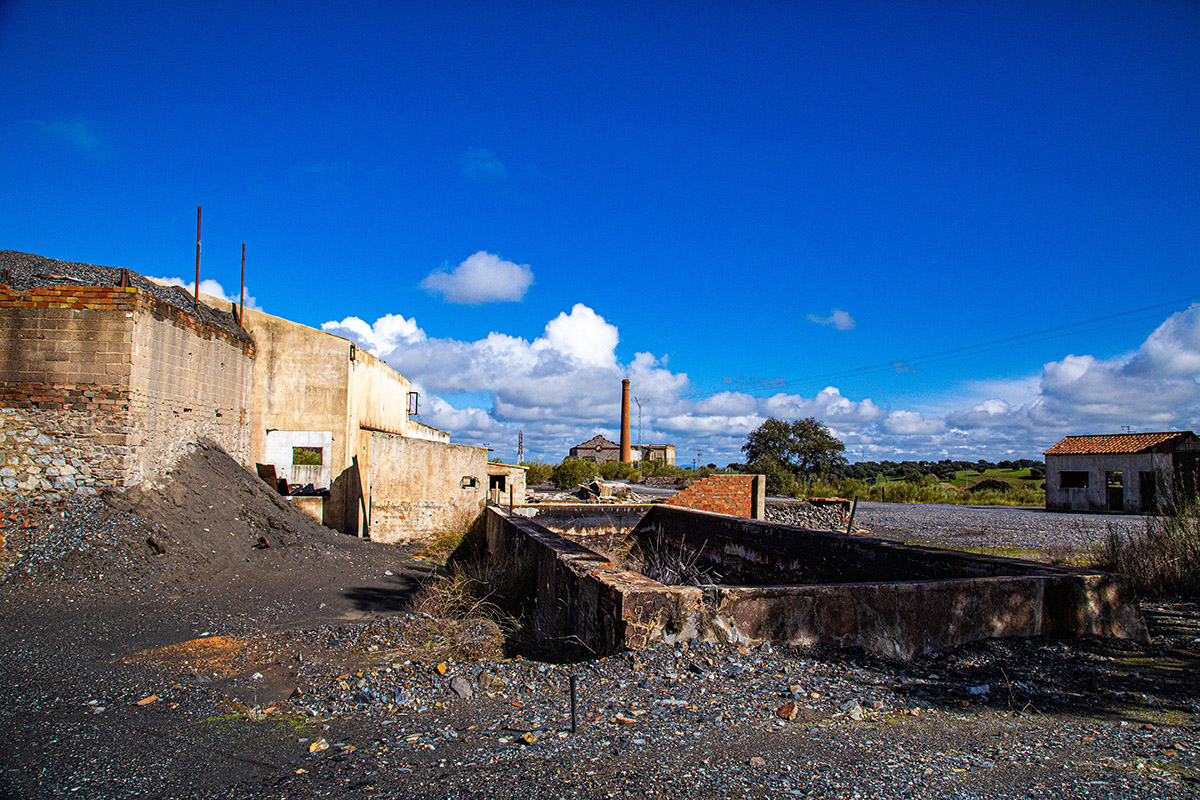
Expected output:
{"points": [[1164, 558]]}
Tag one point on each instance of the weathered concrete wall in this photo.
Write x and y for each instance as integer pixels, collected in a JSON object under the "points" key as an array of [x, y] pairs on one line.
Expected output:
{"points": [[378, 395], [185, 385], [419, 430], [505, 482], [900, 613], [1095, 496], [752, 552], [300, 383], [582, 602], [738, 495], [415, 487], [584, 516]]}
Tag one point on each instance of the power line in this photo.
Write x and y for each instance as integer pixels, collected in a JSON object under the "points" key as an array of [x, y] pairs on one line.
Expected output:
{"points": [[1043, 335]]}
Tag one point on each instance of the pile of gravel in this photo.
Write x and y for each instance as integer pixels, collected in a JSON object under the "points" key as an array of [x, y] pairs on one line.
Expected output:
{"points": [[807, 515], [26, 271]]}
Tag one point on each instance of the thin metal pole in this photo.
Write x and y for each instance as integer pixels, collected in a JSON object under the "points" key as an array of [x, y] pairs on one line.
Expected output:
{"points": [[242, 305], [510, 499], [196, 296], [574, 726], [850, 522]]}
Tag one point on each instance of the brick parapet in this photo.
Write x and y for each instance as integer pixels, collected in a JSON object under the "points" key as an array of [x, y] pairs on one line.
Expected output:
{"points": [[721, 494]]}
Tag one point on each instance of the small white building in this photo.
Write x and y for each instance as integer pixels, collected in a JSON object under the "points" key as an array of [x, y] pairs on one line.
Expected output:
{"points": [[1134, 473]]}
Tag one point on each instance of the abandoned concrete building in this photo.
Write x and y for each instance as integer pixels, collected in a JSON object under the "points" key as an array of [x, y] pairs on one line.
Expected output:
{"points": [[1122, 472], [108, 377]]}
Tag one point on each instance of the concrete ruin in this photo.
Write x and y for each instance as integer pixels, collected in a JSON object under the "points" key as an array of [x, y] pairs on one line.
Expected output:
{"points": [[1133, 473], [107, 379], [792, 586]]}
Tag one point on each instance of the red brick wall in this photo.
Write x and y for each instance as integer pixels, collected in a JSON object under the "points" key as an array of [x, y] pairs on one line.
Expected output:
{"points": [[721, 494]]}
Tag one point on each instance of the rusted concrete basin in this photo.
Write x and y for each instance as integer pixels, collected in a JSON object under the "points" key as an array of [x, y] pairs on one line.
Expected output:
{"points": [[796, 586]]}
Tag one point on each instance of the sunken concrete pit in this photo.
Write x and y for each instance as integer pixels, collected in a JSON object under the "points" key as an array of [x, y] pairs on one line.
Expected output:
{"points": [[790, 585]]}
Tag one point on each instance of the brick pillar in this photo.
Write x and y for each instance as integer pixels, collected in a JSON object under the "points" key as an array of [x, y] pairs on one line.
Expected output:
{"points": [[626, 453]]}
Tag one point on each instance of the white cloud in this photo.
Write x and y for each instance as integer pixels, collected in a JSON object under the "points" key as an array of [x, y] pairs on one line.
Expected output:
{"points": [[839, 319], [481, 278], [583, 335], [210, 287], [906, 423], [383, 336], [564, 386]]}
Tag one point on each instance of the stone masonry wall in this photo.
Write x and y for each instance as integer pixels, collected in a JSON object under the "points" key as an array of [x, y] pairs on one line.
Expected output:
{"points": [[736, 495]]}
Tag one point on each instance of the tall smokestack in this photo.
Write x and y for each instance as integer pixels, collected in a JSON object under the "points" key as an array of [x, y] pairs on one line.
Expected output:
{"points": [[626, 455]]}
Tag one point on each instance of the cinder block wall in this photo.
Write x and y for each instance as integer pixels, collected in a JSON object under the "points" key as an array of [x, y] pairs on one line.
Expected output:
{"points": [[736, 495], [73, 406]]}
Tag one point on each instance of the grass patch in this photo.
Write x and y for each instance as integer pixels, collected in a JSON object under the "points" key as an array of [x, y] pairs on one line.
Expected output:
{"points": [[471, 585]]}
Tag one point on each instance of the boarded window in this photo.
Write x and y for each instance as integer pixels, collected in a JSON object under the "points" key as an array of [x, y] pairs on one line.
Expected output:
{"points": [[1073, 480]]}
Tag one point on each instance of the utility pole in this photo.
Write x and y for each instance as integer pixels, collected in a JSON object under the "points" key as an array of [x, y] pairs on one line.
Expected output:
{"points": [[639, 405]]}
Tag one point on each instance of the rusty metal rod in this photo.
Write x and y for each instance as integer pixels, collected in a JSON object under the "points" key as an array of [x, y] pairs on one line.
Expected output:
{"points": [[196, 294], [242, 305], [574, 726]]}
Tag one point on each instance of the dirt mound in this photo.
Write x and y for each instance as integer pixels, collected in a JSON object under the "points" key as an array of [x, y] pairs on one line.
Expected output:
{"points": [[212, 528]]}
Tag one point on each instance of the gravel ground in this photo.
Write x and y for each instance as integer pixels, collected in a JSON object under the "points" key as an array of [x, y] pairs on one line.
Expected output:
{"points": [[304, 670], [1000, 527]]}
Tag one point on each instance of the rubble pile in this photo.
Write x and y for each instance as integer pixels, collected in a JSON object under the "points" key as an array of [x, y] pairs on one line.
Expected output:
{"points": [[828, 517]]}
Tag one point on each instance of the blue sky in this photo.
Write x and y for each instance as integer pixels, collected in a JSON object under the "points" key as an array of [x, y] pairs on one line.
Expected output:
{"points": [[511, 203]]}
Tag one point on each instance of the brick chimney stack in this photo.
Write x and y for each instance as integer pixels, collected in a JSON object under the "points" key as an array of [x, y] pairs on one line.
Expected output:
{"points": [[626, 453]]}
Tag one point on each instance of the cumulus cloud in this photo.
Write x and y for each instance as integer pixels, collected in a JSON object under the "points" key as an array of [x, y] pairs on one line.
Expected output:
{"points": [[210, 287], [481, 278], [563, 387], [839, 319]]}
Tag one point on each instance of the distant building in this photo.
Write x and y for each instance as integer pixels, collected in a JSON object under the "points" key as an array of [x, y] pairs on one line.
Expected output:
{"points": [[601, 451], [1121, 472]]}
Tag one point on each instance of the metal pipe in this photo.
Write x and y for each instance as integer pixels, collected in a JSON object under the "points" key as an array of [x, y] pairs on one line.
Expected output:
{"points": [[196, 293], [574, 726], [242, 305]]}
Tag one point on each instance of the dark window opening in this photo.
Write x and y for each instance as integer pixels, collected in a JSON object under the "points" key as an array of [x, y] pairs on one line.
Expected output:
{"points": [[1073, 480], [496, 482], [469, 482], [1115, 483]]}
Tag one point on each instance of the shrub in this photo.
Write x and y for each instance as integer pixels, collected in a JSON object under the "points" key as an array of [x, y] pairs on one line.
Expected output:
{"points": [[618, 471], [537, 473], [573, 472], [660, 469]]}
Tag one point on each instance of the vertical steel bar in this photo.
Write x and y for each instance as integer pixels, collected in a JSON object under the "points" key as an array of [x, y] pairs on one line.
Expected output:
{"points": [[196, 294], [242, 305], [574, 726]]}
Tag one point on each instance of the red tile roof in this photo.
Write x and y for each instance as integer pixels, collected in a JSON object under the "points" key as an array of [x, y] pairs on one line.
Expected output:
{"points": [[1117, 443]]}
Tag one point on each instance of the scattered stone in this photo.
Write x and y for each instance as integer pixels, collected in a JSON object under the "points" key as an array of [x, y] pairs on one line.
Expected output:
{"points": [[461, 687]]}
